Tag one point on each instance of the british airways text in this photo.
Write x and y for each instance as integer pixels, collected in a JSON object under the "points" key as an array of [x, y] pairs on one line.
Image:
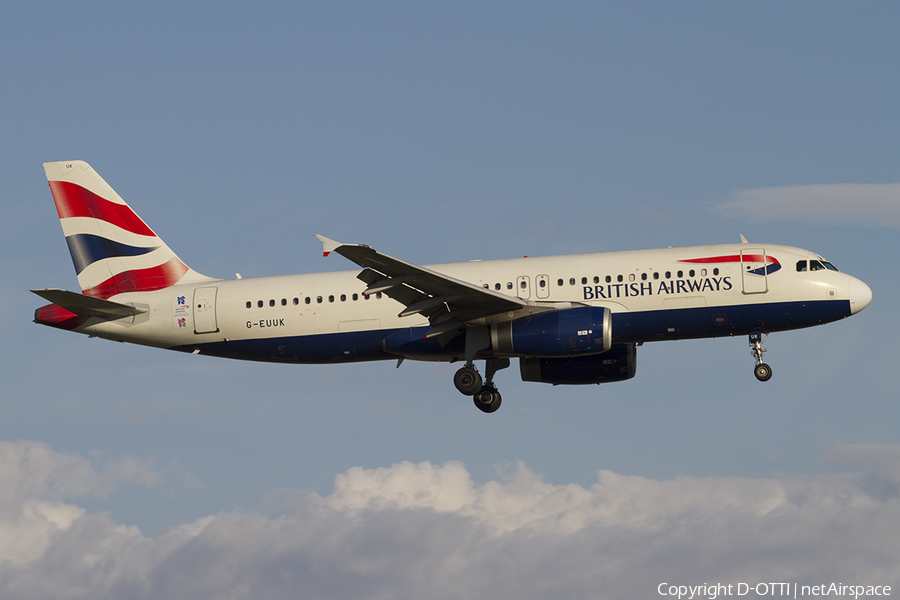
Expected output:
{"points": [[646, 288]]}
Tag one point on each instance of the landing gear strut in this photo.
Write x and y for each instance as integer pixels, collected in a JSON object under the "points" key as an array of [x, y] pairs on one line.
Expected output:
{"points": [[762, 371], [468, 381]]}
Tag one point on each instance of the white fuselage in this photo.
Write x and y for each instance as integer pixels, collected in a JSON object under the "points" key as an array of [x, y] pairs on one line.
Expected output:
{"points": [[673, 293]]}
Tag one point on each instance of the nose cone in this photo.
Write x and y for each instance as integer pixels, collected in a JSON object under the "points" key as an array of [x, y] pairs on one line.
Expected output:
{"points": [[860, 295]]}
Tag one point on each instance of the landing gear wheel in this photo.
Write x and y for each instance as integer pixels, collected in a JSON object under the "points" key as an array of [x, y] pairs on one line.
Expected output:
{"points": [[763, 372], [487, 399], [468, 381]]}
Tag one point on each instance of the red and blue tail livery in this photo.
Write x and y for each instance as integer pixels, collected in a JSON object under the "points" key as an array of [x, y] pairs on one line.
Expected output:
{"points": [[573, 319], [113, 250]]}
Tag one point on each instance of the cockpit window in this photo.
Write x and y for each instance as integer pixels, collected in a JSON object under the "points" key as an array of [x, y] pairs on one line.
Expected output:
{"points": [[815, 265]]}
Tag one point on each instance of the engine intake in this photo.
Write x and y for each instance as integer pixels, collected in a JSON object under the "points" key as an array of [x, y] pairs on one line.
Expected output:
{"points": [[618, 364], [567, 332]]}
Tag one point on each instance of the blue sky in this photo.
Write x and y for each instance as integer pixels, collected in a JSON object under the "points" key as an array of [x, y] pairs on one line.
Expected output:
{"points": [[437, 134]]}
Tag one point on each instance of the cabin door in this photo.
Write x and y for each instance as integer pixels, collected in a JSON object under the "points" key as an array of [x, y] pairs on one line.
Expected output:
{"points": [[753, 271], [205, 310]]}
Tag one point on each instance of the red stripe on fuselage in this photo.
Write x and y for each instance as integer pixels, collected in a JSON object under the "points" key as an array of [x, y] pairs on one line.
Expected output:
{"points": [[734, 258], [72, 200], [140, 280]]}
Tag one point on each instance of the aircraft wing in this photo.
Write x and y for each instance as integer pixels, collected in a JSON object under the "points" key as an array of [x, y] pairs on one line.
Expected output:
{"points": [[448, 303]]}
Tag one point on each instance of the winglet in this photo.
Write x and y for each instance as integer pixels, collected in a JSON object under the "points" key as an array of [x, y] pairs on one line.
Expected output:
{"points": [[328, 246], [743, 239]]}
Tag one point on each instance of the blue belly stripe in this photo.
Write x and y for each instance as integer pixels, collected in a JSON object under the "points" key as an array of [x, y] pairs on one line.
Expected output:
{"points": [[630, 327]]}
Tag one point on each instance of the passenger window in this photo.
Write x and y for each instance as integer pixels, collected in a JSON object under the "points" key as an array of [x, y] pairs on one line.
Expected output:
{"points": [[307, 299], [249, 304], [343, 297], [801, 266], [631, 277], [296, 301], [680, 274], [497, 286], [378, 295], [668, 274], [571, 281], [331, 298], [608, 279], [619, 278], [716, 271], [523, 284], [702, 272], [691, 273], [355, 297], [271, 302], [319, 299], [596, 279], [643, 277], [509, 285], [559, 282], [259, 304], [542, 283], [284, 301], [655, 274], [485, 286], [584, 281]]}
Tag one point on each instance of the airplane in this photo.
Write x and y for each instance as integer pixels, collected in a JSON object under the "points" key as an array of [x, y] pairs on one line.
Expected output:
{"points": [[573, 319]]}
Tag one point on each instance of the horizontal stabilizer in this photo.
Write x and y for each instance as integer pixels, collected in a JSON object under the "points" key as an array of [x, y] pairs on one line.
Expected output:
{"points": [[88, 306]]}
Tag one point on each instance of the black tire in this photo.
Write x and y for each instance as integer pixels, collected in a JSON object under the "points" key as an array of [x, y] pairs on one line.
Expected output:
{"points": [[468, 381], [763, 372], [487, 399]]}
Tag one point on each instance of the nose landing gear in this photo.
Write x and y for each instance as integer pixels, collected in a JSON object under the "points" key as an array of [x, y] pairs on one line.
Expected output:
{"points": [[468, 381], [762, 371]]}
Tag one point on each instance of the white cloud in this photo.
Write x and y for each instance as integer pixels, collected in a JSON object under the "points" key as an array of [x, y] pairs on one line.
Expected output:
{"points": [[34, 478], [422, 530], [860, 203], [32, 469]]}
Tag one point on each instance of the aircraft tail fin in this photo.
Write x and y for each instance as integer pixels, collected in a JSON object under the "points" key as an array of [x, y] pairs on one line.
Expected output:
{"points": [[113, 250]]}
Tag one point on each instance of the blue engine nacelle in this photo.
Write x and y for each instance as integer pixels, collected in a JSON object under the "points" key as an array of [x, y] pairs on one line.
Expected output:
{"points": [[618, 364], [566, 332]]}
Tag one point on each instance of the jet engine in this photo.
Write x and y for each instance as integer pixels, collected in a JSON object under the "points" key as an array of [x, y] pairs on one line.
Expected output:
{"points": [[617, 364], [566, 332]]}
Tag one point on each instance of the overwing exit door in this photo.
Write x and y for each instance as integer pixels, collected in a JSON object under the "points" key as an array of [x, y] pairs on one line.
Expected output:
{"points": [[523, 287]]}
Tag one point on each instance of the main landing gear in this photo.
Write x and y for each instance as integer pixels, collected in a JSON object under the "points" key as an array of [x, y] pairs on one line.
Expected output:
{"points": [[468, 381], [762, 371]]}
